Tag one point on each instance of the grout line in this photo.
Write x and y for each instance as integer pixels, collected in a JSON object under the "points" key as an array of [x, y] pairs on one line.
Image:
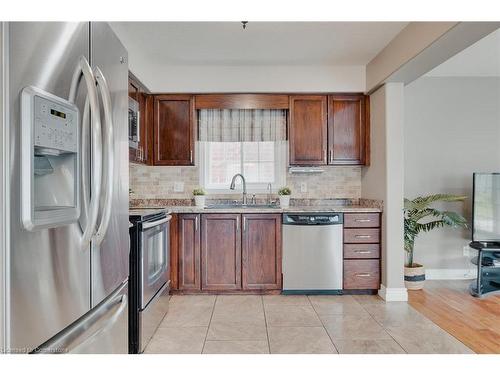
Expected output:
{"points": [[209, 323], [385, 330], [265, 322], [323, 325]]}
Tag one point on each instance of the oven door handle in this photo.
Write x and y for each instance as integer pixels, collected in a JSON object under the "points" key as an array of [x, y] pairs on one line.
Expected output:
{"points": [[151, 224]]}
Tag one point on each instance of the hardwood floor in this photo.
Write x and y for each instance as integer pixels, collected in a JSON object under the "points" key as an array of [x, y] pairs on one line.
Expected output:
{"points": [[473, 321]]}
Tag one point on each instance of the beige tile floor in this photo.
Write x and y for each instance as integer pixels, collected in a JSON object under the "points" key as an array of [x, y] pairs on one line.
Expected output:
{"points": [[248, 324]]}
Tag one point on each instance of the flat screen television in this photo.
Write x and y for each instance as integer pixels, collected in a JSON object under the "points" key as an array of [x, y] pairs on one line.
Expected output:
{"points": [[486, 207]]}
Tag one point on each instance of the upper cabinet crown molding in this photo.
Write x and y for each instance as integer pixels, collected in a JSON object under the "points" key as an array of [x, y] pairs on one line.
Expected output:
{"points": [[241, 101]]}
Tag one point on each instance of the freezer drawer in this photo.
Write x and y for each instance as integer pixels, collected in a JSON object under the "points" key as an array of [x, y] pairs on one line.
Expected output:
{"points": [[103, 330]]}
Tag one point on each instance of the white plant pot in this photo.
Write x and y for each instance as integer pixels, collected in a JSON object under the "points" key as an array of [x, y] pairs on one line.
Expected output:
{"points": [[199, 201], [284, 201]]}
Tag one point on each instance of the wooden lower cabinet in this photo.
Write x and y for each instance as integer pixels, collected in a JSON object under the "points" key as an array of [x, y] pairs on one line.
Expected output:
{"points": [[362, 251], [361, 274], [220, 252], [189, 252], [261, 263], [226, 252]]}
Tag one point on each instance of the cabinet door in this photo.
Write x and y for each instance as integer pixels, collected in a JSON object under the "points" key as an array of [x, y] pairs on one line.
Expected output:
{"points": [[220, 252], [308, 129], [173, 130], [347, 130], [261, 251], [189, 251]]}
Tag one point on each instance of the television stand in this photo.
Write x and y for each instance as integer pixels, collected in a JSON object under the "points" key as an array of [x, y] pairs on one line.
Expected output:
{"points": [[488, 269]]}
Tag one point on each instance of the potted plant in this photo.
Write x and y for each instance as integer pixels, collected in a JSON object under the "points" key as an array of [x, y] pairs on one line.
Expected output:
{"points": [[284, 194], [199, 197], [420, 217]]}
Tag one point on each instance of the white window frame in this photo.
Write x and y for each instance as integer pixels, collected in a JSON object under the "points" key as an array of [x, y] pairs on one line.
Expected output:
{"points": [[280, 163]]}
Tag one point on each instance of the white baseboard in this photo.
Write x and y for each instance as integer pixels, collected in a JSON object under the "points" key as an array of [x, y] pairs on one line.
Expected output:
{"points": [[393, 294], [450, 274]]}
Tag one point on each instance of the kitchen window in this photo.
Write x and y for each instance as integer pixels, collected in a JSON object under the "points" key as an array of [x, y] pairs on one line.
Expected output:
{"points": [[250, 142]]}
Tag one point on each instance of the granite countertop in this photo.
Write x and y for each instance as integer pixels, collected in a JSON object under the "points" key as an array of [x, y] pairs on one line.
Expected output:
{"points": [[194, 209]]}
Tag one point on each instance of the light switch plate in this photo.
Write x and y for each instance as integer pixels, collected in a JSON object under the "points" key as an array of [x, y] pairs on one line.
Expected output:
{"points": [[178, 187], [303, 187]]}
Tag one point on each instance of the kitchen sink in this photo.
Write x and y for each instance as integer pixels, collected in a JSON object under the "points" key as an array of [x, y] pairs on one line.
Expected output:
{"points": [[240, 205]]}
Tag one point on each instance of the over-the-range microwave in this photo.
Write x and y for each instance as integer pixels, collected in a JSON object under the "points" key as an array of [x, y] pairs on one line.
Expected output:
{"points": [[134, 127]]}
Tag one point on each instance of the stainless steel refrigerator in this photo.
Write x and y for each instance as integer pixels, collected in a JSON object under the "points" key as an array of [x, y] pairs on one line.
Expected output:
{"points": [[69, 242]]}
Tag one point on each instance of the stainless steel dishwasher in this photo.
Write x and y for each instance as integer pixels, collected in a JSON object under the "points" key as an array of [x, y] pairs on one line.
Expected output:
{"points": [[312, 252]]}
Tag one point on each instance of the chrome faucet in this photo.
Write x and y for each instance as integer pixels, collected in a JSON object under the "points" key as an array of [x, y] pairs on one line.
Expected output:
{"points": [[269, 193], [233, 184]]}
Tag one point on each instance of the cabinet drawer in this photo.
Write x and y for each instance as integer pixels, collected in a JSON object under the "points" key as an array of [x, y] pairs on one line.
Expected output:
{"points": [[362, 220], [364, 235], [361, 274], [360, 251]]}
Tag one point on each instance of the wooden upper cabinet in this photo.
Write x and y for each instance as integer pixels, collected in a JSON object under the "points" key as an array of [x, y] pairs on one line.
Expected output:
{"points": [[174, 130], [188, 238], [221, 252], [348, 130], [143, 153], [308, 129], [261, 251]]}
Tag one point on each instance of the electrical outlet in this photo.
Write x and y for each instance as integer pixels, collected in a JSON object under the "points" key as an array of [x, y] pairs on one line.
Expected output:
{"points": [[178, 187], [303, 187]]}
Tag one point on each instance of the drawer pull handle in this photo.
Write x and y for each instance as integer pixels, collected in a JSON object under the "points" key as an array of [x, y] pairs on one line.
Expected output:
{"points": [[363, 236], [362, 220], [363, 275], [362, 251]]}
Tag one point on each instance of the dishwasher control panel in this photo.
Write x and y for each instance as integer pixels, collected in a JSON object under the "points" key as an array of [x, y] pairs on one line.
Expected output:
{"points": [[312, 218]]}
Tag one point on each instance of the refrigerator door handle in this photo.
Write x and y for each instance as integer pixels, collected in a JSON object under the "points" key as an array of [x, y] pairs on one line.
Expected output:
{"points": [[83, 69], [108, 156], [77, 334]]}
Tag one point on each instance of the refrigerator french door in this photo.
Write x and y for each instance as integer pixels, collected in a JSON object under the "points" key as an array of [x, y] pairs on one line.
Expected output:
{"points": [[68, 284]]}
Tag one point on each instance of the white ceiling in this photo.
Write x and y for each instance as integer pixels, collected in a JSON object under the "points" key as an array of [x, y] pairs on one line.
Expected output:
{"points": [[482, 59], [262, 43]]}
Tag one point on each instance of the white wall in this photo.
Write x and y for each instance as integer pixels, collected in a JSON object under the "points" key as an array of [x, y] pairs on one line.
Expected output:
{"points": [[412, 40], [256, 78], [452, 129], [383, 180]]}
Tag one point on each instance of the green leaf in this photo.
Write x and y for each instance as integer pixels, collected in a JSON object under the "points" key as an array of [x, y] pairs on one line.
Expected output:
{"points": [[420, 203]]}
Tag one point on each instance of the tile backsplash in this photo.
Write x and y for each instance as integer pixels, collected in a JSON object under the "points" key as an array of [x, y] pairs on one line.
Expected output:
{"points": [[147, 182]]}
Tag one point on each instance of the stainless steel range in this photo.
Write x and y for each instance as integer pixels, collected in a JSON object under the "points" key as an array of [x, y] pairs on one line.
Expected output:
{"points": [[149, 274]]}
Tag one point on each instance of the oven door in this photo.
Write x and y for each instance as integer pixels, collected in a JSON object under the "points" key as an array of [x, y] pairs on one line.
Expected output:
{"points": [[155, 257]]}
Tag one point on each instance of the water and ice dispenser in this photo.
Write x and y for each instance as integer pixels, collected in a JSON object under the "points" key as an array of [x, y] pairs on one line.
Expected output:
{"points": [[50, 153]]}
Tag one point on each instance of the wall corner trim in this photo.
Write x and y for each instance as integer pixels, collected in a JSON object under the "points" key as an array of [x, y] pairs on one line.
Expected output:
{"points": [[393, 294]]}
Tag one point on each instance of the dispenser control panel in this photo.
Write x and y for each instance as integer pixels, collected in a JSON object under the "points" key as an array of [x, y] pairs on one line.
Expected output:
{"points": [[55, 125], [50, 160]]}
